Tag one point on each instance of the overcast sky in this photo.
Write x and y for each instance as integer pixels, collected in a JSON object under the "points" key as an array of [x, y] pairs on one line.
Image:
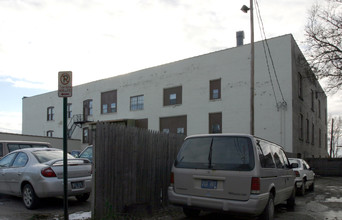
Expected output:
{"points": [[96, 39]]}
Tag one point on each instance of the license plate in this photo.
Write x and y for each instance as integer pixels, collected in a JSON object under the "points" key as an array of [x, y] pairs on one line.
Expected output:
{"points": [[209, 184], [77, 185]]}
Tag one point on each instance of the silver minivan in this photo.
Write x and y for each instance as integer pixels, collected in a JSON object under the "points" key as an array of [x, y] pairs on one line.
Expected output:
{"points": [[7, 146], [236, 173]]}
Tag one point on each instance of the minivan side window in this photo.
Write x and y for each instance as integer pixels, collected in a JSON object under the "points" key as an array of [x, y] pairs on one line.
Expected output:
{"points": [[13, 147], [265, 154], [286, 161], [1, 150], [278, 158]]}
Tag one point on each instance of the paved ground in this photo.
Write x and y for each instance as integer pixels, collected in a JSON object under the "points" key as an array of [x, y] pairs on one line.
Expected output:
{"points": [[324, 203], [12, 208]]}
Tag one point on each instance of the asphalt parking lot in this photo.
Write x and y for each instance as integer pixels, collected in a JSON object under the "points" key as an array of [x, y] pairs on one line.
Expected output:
{"points": [[324, 203]]}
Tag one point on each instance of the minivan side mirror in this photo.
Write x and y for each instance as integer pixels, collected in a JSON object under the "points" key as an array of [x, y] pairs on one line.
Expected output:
{"points": [[294, 165]]}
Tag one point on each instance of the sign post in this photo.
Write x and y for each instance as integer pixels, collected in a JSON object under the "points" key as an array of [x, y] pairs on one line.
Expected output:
{"points": [[65, 91]]}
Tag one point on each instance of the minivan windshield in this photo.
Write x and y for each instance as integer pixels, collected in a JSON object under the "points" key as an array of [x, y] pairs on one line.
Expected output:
{"points": [[216, 152]]}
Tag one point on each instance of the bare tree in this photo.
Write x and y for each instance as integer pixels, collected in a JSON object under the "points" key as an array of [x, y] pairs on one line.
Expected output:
{"points": [[335, 140], [324, 42]]}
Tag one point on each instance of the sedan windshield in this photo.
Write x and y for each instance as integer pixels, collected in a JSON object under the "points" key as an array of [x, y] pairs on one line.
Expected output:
{"points": [[221, 153], [47, 155]]}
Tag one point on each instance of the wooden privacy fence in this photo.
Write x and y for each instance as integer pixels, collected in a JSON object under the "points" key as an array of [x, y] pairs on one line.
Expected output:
{"points": [[132, 167]]}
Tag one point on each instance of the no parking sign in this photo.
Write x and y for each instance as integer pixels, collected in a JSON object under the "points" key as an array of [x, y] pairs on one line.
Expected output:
{"points": [[65, 84]]}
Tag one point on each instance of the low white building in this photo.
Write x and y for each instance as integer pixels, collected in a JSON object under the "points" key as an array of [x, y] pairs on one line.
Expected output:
{"points": [[204, 94]]}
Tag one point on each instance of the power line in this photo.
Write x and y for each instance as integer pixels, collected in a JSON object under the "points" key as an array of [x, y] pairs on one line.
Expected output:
{"points": [[265, 42]]}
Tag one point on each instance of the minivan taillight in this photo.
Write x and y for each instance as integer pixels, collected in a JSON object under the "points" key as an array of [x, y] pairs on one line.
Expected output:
{"points": [[297, 173], [172, 178], [255, 185], [48, 172]]}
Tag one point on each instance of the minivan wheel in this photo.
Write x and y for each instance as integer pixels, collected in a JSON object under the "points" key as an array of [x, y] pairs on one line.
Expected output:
{"points": [[291, 202], [191, 213], [29, 197], [268, 212]]}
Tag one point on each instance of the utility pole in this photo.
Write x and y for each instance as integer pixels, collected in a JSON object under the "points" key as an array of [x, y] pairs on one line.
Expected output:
{"points": [[331, 137]]}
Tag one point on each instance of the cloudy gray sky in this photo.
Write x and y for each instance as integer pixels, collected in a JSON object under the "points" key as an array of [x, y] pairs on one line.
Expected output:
{"points": [[96, 39]]}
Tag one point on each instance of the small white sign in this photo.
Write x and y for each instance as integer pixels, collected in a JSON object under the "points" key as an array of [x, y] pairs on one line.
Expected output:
{"points": [[65, 84]]}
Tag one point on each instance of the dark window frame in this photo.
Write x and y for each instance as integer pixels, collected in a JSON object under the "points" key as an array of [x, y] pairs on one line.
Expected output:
{"points": [[307, 130], [215, 119], [136, 103], [301, 126], [176, 91], [214, 85], [313, 134], [108, 99], [85, 135], [300, 86], [49, 133], [50, 113], [69, 110], [88, 107], [312, 101]]}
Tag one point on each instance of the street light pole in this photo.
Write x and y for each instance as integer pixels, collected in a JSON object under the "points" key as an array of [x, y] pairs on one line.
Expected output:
{"points": [[245, 9], [252, 67]]}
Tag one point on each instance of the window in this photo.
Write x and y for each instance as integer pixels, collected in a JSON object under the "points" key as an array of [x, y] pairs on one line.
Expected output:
{"points": [[108, 102], [319, 138], [1, 150], [215, 89], [49, 133], [301, 127], [20, 160], [50, 113], [173, 99], [279, 158], [218, 153], [325, 116], [69, 110], [137, 103], [88, 107], [300, 86], [180, 130], [265, 154], [215, 123], [319, 108], [174, 125], [313, 134], [172, 96], [307, 131], [85, 135], [7, 160], [312, 100]]}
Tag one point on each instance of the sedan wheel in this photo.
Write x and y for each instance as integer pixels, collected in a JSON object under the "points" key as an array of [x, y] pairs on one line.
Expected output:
{"points": [[29, 197], [302, 189], [83, 197]]}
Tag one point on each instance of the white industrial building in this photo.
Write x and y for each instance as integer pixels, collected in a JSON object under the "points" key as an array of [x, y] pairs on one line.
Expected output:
{"points": [[204, 94]]}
